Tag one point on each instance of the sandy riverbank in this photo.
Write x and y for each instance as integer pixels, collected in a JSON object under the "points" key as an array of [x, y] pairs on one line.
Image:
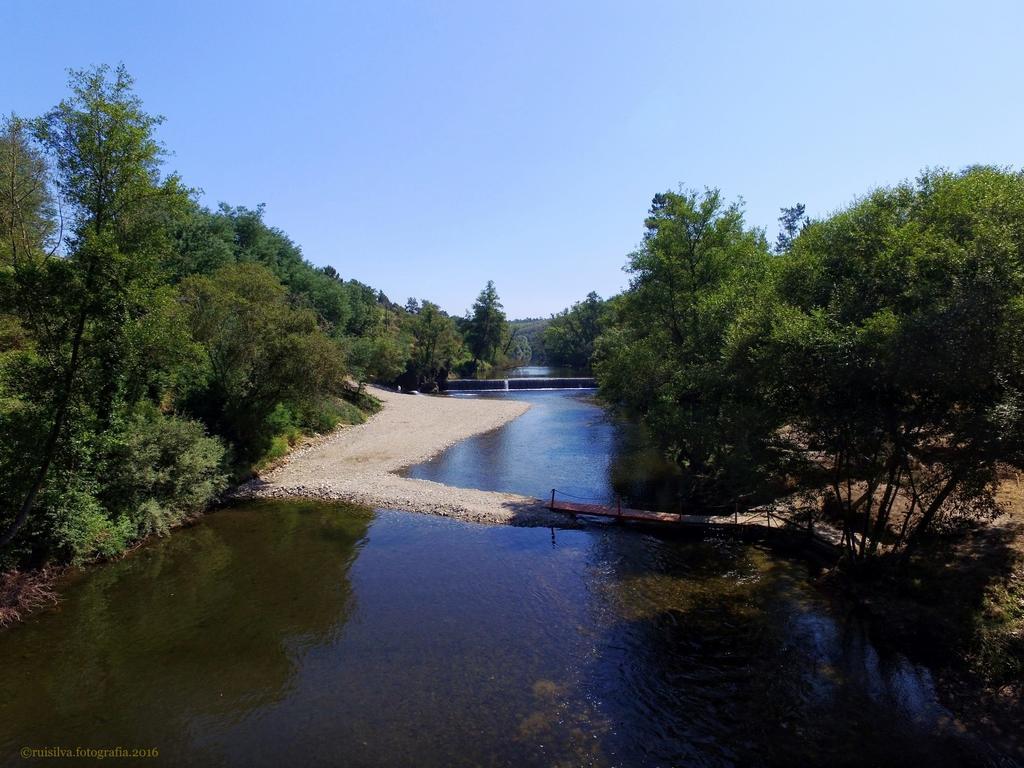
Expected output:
{"points": [[358, 464]]}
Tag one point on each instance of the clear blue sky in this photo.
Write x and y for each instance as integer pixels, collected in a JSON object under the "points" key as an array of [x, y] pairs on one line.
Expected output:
{"points": [[425, 148]]}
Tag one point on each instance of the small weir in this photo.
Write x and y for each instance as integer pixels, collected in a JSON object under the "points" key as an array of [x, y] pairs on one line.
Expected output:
{"points": [[531, 382]]}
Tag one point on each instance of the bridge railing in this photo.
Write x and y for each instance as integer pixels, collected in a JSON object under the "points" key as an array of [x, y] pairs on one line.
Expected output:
{"points": [[772, 518], [603, 501]]}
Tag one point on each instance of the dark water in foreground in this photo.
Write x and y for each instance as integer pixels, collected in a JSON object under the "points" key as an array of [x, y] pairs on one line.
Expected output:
{"points": [[284, 634]]}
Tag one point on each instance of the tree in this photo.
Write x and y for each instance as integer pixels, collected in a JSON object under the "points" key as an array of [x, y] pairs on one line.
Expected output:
{"points": [[791, 221], [897, 351], [105, 168], [530, 337], [517, 346], [437, 344], [485, 326], [381, 356], [661, 356], [126, 308], [261, 353], [207, 240], [27, 209], [570, 336]]}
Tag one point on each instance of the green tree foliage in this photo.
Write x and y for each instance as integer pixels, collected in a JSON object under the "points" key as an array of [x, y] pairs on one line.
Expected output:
{"points": [[517, 349], [27, 210], [531, 333], [663, 356], [381, 356], [569, 337], [437, 345], [485, 326], [89, 311], [209, 240], [151, 348], [160, 470], [879, 355], [897, 350], [791, 222], [81, 309], [261, 353], [26, 234], [368, 327]]}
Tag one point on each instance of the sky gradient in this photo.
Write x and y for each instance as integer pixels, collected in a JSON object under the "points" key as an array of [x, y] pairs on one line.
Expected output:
{"points": [[425, 148]]}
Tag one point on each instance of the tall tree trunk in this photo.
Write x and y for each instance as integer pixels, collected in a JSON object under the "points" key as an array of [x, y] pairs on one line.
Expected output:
{"points": [[892, 488], [53, 438], [929, 514]]}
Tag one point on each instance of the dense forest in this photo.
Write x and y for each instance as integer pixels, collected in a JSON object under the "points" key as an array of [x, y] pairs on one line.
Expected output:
{"points": [[152, 351]]}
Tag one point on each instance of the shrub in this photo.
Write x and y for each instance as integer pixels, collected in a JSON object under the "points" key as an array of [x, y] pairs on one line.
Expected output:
{"points": [[160, 470]]}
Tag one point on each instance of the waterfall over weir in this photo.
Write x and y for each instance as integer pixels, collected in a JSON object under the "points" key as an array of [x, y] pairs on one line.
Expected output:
{"points": [[531, 382]]}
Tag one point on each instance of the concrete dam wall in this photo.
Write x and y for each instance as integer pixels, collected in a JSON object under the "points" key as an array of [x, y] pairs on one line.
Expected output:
{"points": [[481, 385]]}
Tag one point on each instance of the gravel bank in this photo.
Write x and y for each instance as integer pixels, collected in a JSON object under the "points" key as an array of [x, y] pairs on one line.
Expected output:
{"points": [[357, 464]]}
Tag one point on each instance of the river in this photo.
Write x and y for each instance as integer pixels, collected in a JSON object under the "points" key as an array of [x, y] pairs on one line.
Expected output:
{"points": [[567, 442], [301, 633]]}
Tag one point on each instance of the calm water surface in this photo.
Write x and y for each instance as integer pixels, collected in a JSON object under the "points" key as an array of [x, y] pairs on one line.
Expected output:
{"points": [[358, 638], [565, 441], [299, 633]]}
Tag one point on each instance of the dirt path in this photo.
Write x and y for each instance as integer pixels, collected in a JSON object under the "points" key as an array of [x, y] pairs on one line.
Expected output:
{"points": [[358, 464]]}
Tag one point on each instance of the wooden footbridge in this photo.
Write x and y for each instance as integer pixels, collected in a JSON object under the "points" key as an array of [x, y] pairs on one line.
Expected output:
{"points": [[759, 519]]}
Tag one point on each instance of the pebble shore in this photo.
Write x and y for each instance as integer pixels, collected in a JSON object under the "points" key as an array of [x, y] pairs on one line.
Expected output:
{"points": [[358, 463]]}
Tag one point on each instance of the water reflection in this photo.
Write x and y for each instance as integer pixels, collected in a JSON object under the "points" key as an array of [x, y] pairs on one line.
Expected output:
{"points": [[565, 441], [544, 372], [724, 654], [278, 634], [184, 636]]}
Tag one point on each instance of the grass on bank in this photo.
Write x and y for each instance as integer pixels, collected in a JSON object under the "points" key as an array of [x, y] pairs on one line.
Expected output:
{"points": [[290, 427]]}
